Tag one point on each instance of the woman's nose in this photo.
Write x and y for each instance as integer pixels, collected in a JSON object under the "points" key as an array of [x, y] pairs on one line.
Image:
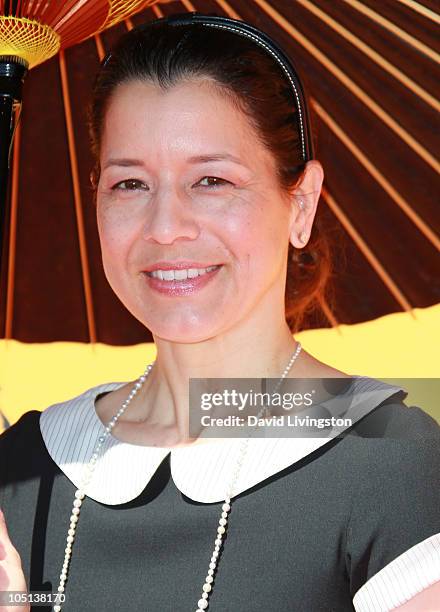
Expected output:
{"points": [[170, 217]]}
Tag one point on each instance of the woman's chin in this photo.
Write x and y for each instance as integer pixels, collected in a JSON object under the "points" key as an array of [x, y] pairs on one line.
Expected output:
{"points": [[185, 335], [186, 329]]}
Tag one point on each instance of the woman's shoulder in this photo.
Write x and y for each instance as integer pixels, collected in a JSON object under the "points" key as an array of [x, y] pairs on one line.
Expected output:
{"points": [[394, 448], [82, 397], [24, 428], [395, 419], [22, 452], [393, 440], [28, 425], [30, 444]]}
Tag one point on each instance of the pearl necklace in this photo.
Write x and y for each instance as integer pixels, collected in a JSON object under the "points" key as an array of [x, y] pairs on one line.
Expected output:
{"points": [[202, 604]]}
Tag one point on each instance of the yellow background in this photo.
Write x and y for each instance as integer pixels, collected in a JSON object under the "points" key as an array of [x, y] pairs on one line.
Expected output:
{"points": [[391, 348]]}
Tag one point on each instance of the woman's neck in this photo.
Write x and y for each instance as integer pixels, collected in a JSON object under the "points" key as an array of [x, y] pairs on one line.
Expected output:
{"points": [[165, 400], [158, 415]]}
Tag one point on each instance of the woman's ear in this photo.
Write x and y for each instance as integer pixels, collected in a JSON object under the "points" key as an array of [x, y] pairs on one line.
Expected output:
{"points": [[304, 203]]}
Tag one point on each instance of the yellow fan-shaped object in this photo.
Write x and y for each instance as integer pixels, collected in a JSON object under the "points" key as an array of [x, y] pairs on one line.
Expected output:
{"points": [[28, 39], [37, 31]]}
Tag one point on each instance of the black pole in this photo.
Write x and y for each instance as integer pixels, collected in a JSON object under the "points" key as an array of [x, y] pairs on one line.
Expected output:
{"points": [[6, 127], [13, 69]]}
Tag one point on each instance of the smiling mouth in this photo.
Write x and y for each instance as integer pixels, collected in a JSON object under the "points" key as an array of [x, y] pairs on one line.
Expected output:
{"points": [[181, 275]]}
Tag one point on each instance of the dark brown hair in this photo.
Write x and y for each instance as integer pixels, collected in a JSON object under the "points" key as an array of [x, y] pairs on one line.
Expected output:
{"points": [[252, 80]]}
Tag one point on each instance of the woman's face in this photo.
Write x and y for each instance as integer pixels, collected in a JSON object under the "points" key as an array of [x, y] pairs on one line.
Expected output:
{"points": [[185, 179]]}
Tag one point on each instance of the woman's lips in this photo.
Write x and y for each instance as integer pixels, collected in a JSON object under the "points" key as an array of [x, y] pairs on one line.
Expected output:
{"points": [[180, 287]]}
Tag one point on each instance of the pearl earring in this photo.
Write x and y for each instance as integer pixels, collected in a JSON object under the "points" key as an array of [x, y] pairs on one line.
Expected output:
{"points": [[303, 237], [301, 204]]}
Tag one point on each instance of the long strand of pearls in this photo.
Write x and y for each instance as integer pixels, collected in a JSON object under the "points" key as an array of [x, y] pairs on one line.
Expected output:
{"points": [[202, 604]]}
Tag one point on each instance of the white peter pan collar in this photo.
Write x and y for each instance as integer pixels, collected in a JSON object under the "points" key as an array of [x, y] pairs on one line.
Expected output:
{"points": [[70, 431]]}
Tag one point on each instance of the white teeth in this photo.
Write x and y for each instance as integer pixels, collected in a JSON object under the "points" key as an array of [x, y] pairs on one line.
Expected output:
{"points": [[180, 274], [170, 275]]}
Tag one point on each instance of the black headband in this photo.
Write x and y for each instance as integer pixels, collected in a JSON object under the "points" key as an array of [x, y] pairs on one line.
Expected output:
{"points": [[263, 40]]}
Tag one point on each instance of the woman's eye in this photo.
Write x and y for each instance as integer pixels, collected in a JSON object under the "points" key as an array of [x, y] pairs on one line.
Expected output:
{"points": [[129, 185], [136, 185], [218, 183]]}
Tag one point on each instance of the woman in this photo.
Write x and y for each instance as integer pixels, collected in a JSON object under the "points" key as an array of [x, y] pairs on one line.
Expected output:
{"points": [[205, 167]]}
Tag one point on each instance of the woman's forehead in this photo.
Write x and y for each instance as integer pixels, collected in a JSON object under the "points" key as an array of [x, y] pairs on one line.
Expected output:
{"points": [[189, 119], [187, 100]]}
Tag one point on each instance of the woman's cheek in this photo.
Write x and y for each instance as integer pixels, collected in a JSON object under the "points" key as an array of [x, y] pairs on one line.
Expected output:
{"points": [[257, 240], [116, 229], [115, 247], [113, 218]]}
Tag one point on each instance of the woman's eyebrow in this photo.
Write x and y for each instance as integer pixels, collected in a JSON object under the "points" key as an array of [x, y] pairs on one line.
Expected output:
{"points": [[195, 159], [125, 162]]}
